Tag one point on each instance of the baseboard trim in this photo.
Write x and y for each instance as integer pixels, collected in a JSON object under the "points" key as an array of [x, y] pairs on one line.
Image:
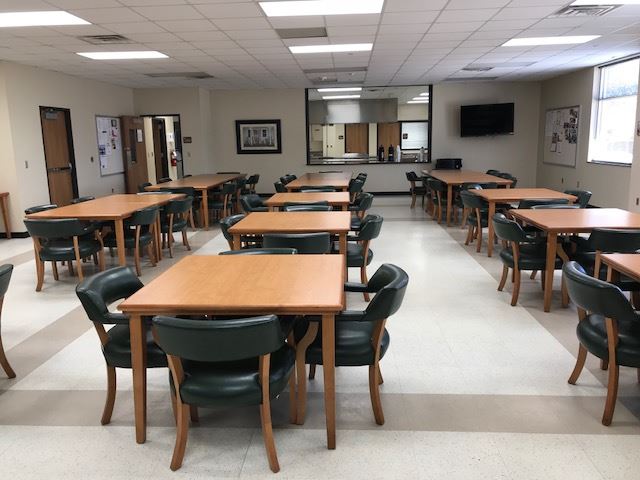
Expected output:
{"points": [[15, 235]]}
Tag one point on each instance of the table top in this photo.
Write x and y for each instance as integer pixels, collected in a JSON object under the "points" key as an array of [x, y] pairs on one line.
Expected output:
{"points": [[334, 198], [293, 222], [200, 182], [458, 177], [625, 263], [514, 194], [251, 284], [109, 207], [340, 180], [579, 219]]}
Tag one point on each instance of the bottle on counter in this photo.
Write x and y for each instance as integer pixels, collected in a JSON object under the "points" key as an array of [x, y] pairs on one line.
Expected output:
{"points": [[390, 153], [381, 153], [398, 153], [421, 157]]}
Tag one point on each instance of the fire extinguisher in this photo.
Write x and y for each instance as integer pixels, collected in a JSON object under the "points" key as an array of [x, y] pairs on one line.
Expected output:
{"points": [[174, 158]]}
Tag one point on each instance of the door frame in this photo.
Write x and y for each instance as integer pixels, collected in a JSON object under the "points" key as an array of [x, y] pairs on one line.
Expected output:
{"points": [[72, 151], [152, 115], [163, 162]]}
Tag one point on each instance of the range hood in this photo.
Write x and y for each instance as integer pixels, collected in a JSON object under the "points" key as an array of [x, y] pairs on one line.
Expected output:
{"points": [[353, 111]]}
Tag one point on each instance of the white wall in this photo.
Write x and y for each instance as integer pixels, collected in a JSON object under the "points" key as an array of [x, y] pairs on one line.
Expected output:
{"points": [[516, 154], [413, 111]]}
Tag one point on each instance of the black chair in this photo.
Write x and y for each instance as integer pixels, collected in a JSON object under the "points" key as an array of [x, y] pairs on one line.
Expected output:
{"points": [[222, 204], [477, 218], [508, 176], [63, 240], [40, 208], [139, 232], [261, 251], [555, 207], [532, 202], [520, 252], [165, 180], [143, 186], [251, 183], [175, 218], [96, 293], [311, 189], [196, 205], [82, 199], [307, 208], [415, 190], [607, 328], [247, 241], [253, 203], [438, 191], [361, 336], [280, 188], [218, 363], [457, 201], [583, 197], [303, 243], [492, 171], [355, 186], [5, 277], [360, 205]]}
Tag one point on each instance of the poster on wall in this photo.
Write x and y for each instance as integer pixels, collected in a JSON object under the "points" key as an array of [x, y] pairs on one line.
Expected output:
{"points": [[258, 136], [109, 145], [561, 136]]}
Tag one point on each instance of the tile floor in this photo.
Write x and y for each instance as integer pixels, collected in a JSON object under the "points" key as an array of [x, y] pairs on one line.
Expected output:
{"points": [[474, 388]]}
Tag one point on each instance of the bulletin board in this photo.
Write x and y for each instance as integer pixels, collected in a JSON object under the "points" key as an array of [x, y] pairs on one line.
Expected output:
{"points": [[561, 136], [109, 145]]}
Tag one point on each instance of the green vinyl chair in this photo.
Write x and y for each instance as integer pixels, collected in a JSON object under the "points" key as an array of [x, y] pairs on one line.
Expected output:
{"points": [[253, 203], [175, 219], [261, 251], [5, 277], [220, 363], [303, 243]]}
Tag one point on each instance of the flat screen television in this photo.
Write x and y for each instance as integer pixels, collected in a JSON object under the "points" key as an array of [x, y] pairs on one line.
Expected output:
{"points": [[483, 120]]}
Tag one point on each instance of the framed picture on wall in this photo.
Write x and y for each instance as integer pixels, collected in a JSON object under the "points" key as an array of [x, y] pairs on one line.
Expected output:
{"points": [[258, 136]]}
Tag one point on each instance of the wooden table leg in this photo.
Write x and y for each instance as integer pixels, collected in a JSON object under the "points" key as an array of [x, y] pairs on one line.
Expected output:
{"points": [[328, 369], [273, 208], [138, 334], [343, 243], [345, 207], [5, 216], [552, 239], [158, 231], [449, 200], [492, 211], [236, 242], [205, 209], [120, 246]]}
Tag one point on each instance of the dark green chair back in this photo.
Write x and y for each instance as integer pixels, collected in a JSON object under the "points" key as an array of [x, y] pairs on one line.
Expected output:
{"points": [[261, 251], [227, 222], [363, 201], [143, 186], [304, 243], [308, 189], [488, 185], [229, 188], [143, 217], [97, 292], [188, 191], [437, 185], [356, 185], [57, 228], [82, 199], [253, 179], [321, 202], [251, 202], [370, 227], [530, 202], [165, 180], [307, 208], [509, 230], [40, 208], [471, 200], [391, 282], [5, 277], [218, 340], [611, 240], [492, 171], [596, 296], [412, 176], [583, 197], [280, 188], [555, 207], [176, 207]]}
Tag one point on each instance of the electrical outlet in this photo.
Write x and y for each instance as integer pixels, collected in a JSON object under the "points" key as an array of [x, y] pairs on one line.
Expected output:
{"points": [[26, 164], [637, 201]]}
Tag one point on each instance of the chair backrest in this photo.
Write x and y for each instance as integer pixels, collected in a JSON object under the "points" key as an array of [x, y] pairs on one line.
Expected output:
{"points": [[253, 179], [83, 199], [227, 222], [370, 227], [436, 185], [142, 217], [280, 188], [5, 277], [356, 185], [611, 240], [555, 207], [251, 201], [188, 191], [390, 282], [304, 243], [471, 200], [261, 251], [488, 185], [218, 340], [143, 186], [317, 189], [176, 207], [229, 188], [40, 208], [509, 230], [307, 208], [363, 201], [583, 196], [530, 202], [596, 296], [164, 180], [412, 176], [56, 228], [319, 202], [492, 171], [97, 292]]}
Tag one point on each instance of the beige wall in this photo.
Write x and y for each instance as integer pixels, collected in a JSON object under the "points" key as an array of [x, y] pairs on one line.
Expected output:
{"points": [[609, 184], [413, 112], [516, 154], [8, 178]]}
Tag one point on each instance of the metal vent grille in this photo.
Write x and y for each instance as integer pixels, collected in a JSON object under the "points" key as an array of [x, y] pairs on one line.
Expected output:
{"points": [[105, 39], [584, 11], [314, 32]]}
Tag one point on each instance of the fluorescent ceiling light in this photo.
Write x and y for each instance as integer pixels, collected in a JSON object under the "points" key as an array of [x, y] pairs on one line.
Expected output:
{"points": [[341, 89], [424, 94], [615, 2], [339, 97], [320, 7], [564, 40], [420, 99], [419, 102], [347, 47], [39, 19], [122, 55]]}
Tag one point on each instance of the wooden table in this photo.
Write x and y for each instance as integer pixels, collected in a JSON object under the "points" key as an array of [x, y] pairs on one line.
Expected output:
{"points": [[455, 178], [115, 208], [508, 195], [4, 196], [338, 180], [622, 263], [581, 220], [259, 223], [241, 285], [335, 199], [202, 183]]}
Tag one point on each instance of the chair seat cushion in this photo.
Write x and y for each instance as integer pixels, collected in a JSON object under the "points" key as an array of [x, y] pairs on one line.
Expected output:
{"points": [[592, 333], [62, 249], [355, 254], [129, 239], [356, 223], [353, 343], [532, 257], [234, 383], [117, 351], [178, 225]]}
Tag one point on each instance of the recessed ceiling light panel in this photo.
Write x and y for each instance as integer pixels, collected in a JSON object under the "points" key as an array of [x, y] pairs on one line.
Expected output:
{"points": [[417, 102], [39, 19], [339, 97], [424, 94], [420, 99], [340, 89], [346, 47], [123, 55], [562, 40], [320, 7]]}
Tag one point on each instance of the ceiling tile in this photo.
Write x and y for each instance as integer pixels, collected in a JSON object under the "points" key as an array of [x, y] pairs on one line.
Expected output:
{"points": [[230, 10], [168, 12]]}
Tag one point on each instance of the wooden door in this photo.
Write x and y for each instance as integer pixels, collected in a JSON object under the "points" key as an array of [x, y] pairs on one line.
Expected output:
{"points": [[135, 153], [356, 137], [58, 154], [160, 148], [388, 134]]}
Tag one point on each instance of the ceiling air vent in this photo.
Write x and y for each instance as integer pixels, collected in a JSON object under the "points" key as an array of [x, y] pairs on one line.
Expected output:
{"points": [[471, 68], [313, 32], [584, 11], [105, 39], [193, 75]]}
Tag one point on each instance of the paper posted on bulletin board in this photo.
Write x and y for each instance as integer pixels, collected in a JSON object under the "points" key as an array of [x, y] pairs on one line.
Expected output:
{"points": [[561, 136], [109, 145]]}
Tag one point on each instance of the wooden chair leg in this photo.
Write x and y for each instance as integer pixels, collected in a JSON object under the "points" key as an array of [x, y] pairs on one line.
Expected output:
{"points": [[39, 273], [612, 393], [543, 279], [54, 268], [181, 436], [136, 254], [577, 370], [479, 244], [374, 391], [301, 351], [603, 364], [533, 275], [365, 280], [5, 363], [516, 287], [70, 268], [565, 293], [380, 379], [111, 395], [267, 434], [413, 200], [152, 254], [76, 248], [185, 240], [293, 407], [469, 235], [174, 407], [503, 280], [312, 371], [193, 413]]}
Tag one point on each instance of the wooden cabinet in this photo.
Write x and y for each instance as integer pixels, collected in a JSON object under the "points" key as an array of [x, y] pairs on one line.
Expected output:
{"points": [[356, 138], [388, 134]]}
